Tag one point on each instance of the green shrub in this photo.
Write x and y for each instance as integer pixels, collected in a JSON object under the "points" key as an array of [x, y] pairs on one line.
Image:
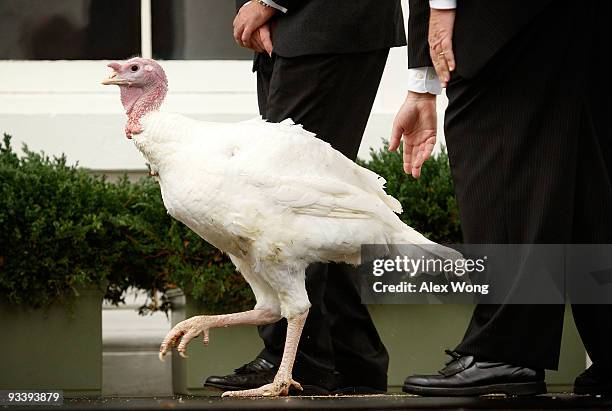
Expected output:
{"points": [[55, 228], [429, 203], [62, 228]]}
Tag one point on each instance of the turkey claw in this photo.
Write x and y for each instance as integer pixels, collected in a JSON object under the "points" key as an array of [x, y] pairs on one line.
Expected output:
{"points": [[274, 389], [183, 333]]}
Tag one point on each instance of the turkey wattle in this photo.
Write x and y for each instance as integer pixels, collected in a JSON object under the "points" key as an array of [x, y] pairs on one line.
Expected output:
{"points": [[272, 196]]}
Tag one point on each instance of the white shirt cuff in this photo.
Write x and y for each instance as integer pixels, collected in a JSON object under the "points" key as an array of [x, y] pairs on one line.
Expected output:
{"points": [[424, 80], [443, 4], [275, 5]]}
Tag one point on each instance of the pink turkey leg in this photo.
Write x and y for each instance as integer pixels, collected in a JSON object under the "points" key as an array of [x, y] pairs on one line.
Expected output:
{"points": [[187, 330], [283, 379]]}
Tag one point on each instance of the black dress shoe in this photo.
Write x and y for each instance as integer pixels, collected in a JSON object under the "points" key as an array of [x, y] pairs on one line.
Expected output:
{"points": [[251, 375], [261, 371], [595, 380], [464, 376]]}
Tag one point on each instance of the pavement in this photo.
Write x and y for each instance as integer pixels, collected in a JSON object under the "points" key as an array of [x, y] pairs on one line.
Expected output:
{"points": [[366, 402]]}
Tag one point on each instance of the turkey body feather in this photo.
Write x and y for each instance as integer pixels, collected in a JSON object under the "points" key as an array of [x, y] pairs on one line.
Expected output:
{"points": [[272, 196]]}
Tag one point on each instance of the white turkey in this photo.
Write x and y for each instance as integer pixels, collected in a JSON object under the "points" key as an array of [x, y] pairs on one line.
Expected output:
{"points": [[272, 196]]}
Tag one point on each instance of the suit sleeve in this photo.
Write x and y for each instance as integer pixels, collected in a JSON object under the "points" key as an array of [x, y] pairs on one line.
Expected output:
{"points": [[418, 30], [285, 3], [240, 3]]}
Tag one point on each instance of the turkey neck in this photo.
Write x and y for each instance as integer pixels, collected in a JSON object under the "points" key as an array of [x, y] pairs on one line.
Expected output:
{"points": [[139, 101]]}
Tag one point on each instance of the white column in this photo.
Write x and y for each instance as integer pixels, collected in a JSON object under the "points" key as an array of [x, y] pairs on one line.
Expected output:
{"points": [[145, 29]]}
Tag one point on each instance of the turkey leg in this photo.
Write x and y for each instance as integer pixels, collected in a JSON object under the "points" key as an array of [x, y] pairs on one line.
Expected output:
{"points": [[282, 380], [187, 330]]}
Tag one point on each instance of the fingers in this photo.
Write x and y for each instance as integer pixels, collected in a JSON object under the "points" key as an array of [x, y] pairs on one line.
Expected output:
{"points": [[238, 36], [438, 58], [443, 59], [449, 55], [408, 157], [238, 29], [243, 32], [266, 38], [423, 153], [407, 149], [414, 157], [422, 156], [442, 69], [247, 35], [416, 165], [258, 39], [396, 137], [256, 43]]}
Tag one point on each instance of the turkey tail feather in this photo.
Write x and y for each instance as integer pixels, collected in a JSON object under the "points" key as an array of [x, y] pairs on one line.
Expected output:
{"points": [[412, 244]]}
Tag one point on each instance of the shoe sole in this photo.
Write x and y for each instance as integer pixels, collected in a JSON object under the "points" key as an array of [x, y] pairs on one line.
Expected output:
{"points": [[308, 390], [515, 389]]}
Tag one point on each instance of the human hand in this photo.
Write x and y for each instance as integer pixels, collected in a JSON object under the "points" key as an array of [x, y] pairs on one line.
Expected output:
{"points": [[441, 23], [415, 124], [261, 40], [249, 19]]}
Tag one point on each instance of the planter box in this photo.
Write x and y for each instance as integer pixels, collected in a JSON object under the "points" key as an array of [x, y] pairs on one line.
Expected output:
{"points": [[53, 348], [415, 335]]}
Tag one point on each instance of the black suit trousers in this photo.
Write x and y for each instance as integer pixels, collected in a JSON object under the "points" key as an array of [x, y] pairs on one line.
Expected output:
{"points": [[530, 145], [331, 95]]}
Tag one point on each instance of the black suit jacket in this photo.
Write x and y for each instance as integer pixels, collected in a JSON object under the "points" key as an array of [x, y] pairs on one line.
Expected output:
{"points": [[336, 26], [482, 28]]}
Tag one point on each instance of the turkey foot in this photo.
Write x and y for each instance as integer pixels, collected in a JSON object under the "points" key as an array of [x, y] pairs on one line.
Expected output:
{"points": [[282, 381], [279, 387], [185, 331]]}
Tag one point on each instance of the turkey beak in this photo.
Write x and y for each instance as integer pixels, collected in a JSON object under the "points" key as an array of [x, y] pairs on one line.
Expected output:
{"points": [[114, 78]]}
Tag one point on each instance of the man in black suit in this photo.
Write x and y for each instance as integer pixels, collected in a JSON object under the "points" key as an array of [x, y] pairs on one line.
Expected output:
{"points": [[319, 63], [530, 147]]}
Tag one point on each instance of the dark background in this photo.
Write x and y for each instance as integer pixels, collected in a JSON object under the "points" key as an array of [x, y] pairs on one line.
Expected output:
{"points": [[110, 29]]}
